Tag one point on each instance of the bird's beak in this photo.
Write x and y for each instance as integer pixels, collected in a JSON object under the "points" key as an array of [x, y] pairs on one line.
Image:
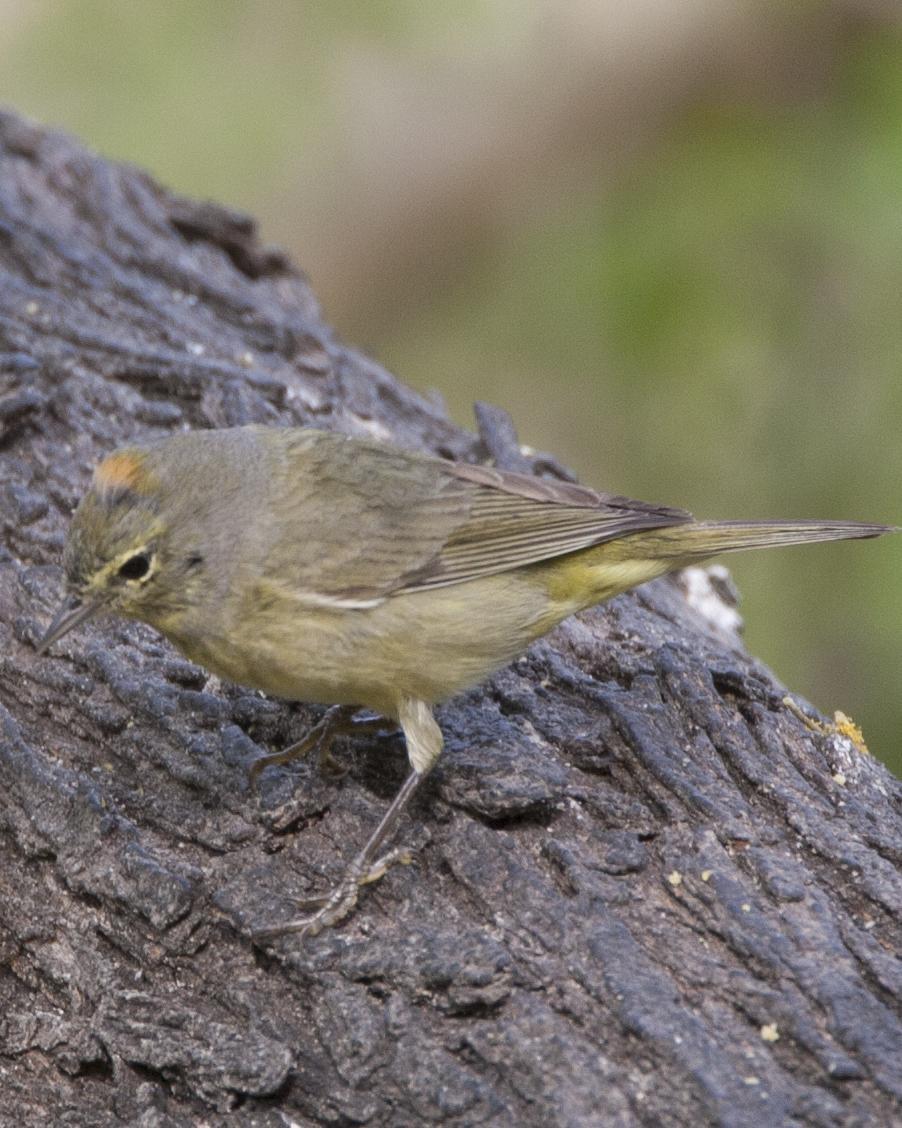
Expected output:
{"points": [[74, 611]]}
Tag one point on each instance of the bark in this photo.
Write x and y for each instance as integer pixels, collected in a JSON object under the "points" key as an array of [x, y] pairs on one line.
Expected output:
{"points": [[645, 890]]}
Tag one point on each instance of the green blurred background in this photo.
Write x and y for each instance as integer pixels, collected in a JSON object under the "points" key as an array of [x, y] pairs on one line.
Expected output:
{"points": [[667, 236]]}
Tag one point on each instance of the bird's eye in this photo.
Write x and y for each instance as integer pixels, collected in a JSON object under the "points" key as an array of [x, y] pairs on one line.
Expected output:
{"points": [[136, 567]]}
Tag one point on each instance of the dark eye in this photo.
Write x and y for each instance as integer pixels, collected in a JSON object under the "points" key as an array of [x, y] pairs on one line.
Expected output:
{"points": [[136, 567]]}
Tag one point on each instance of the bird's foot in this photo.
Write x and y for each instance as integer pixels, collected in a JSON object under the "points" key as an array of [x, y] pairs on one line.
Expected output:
{"points": [[337, 721], [330, 908]]}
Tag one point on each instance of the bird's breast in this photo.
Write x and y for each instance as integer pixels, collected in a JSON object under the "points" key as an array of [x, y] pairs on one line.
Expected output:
{"points": [[428, 645]]}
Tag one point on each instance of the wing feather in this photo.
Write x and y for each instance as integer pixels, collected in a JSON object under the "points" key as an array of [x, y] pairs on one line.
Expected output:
{"points": [[515, 521], [384, 521]]}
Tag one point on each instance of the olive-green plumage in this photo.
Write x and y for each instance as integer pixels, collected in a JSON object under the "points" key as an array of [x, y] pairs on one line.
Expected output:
{"points": [[329, 569]]}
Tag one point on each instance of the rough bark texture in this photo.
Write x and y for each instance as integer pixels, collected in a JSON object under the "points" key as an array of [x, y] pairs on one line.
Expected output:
{"points": [[636, 866]]}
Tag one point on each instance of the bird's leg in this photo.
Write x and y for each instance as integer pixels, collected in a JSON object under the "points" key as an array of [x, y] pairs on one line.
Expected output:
{"points": [[424, 743], [329, 908], [337, 721]]}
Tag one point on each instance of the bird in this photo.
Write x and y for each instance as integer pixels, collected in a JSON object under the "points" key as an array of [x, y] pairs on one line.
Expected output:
{"points": [[325, 568]]}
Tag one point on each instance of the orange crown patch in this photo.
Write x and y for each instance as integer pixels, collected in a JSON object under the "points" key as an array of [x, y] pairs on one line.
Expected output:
{"points": [[123, 470]]}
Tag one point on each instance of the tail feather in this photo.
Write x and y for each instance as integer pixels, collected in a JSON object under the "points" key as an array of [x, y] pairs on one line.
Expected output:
{"points": [[700, 539]]}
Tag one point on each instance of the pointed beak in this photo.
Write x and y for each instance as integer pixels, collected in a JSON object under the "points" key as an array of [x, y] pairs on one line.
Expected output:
{"points": [[73, 612]]}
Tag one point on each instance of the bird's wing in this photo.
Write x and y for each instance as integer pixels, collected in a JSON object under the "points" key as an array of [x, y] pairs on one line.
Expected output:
{"points": [[515, 520], [384, 521]]}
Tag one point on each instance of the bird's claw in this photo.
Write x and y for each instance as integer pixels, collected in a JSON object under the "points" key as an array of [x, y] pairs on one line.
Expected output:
{"points": [[337, 721], [328, 764], [330, 908]]}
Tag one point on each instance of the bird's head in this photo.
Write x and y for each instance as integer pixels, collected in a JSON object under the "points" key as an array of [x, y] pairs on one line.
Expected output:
{"points": [[123, 554]]}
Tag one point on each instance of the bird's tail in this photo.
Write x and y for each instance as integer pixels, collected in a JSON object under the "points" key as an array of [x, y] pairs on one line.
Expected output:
{"points": [[697, 540], [617, 565]]}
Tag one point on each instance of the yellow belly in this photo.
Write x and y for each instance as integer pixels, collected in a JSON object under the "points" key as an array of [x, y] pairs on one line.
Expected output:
{"points": [[427, 645]]}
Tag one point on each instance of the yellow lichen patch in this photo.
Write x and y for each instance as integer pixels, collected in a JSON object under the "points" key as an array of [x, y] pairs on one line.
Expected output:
{"points": [[841, 726], [845, 726], [123, 470]]}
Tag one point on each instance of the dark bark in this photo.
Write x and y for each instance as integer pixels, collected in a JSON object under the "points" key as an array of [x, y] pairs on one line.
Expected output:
{"points": [[633, 859]]}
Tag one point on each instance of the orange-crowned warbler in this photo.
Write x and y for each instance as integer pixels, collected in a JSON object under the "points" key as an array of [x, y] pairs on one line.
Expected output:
{"points": [[330, 569]]}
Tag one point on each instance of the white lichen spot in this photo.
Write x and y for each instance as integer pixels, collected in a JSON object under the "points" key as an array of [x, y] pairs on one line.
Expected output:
{"points": [[373, 428], [769, 1032], [675, 878], [196, 348], [710, 592], [707, 874]]}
